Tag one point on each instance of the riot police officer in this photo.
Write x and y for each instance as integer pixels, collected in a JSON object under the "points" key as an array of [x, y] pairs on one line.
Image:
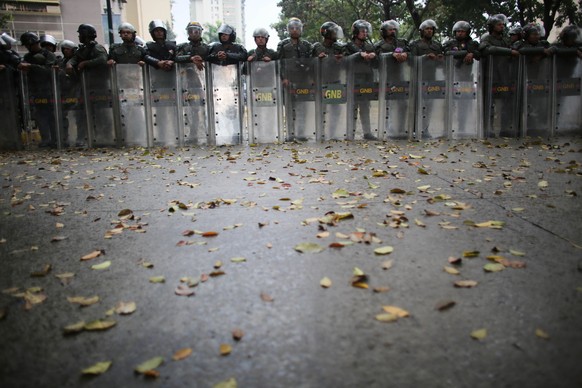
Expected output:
{"points": [[330, 46], [261, 53], [37, 64], [9, 59], [48, 42], [515, 34], [495, 41], [194, 50], [361, 51], [70, 88], [427, 45], [532, 38], [390, 42], [462, 41], [90, 56], [226, 51], [128, 51], [160, 53], [294, 54]]}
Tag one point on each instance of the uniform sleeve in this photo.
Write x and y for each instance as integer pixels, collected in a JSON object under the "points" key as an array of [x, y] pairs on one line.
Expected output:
{"points": [[100, 57], [239, 55]]}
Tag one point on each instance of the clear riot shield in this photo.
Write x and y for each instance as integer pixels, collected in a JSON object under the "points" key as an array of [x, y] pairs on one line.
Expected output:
{"points": [[463, 98], [396, 105], [226, 109], [265, 103], [363, 99], [298, 81], [9, 125], [73, 115], [536, 95], [194, 123], [332, 98], [98, 99], [164, 106], [568, 89], [430, 98], [132, 113], [502, 97], [38, 88]]}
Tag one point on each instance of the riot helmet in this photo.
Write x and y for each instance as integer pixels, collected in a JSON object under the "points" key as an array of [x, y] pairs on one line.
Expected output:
{"points": [[194, 26], [389, 25], [261, 32], [29, 38], [87, 33], [69, 44], [294, 24], [428, 23], [533, 28], [139, 41], [47, 40], [330, 30], [228, 30], [361, 24], [571, 35], [157, 23], [8, 40], [126, 26], [495, 20], [462, 25]]}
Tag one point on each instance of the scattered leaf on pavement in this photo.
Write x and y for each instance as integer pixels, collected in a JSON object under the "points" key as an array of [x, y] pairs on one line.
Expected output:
{"points": [[150, 364], [182, 354], [225, 349], [100, 325], [125, 308], [104, 265], [465, 283], [97, 369], [325, 282], [479, 334], [309, 248]]}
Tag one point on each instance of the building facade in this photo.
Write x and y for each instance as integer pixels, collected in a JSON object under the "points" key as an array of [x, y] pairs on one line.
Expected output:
{"points": [[211, 12]]}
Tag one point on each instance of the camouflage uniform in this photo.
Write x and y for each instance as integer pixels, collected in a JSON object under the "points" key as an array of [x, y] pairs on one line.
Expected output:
{"points": [[123, 53]]}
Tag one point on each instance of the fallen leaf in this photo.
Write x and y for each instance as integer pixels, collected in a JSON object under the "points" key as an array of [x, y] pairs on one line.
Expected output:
{"points": [[82, 301], [471, 253], [238, 260], [325, 282], [97, 369], [104, 265], [387, 264], [125, 308], [543, 184], [65, 278], [93, 255], [209, 234], [150, 364], [225, 349], [452, 271], [182, 354], [158, 279], [43, 272], [445, 305], [542, 334], [217, 264], [184, 290], [465, 283], [309, 248], [322, 235], [152, 373], [379, 290], [493, 267], [99, 325], [266, 297], [58, 238], [230, 383], [400, 313], [125, 213], [455, 260], [387, 317], [419, 223], [491, 224], [515, 252], [384, 250], [237, 334], [214, 274], [479, 334], [74, 328]]}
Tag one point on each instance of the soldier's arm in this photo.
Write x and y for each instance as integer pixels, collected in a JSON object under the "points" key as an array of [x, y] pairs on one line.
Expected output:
{"points": [[100, 58], [240, 55]]}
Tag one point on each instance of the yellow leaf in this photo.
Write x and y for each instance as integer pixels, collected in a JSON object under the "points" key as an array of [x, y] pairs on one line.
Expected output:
{"points": [[157, 279], [384, 250], [465, 283], [125, 308], [97, 369], [479, 334], [493, 267], [230, 383], [542, 334], [516, 252], [419, 223], [74, 328], [104, 265], [309, 248], [400, 313], [543, 184], [358, 272], [387, 317], [99, 325], [452, 271], [83, 301], [150, 364], [182, 354], [470, 253], [325, 282], [225, 349]]}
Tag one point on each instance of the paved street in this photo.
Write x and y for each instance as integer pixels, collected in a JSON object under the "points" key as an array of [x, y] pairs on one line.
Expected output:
{"points": [[397, 264]]}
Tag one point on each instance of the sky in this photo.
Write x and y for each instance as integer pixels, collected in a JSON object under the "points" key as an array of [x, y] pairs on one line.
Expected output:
{"points": [[258, 13]]}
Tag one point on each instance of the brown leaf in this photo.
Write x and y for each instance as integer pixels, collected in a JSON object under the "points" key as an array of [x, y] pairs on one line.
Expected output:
{"points": [[188, 233], [237, 334], [217, 273], [43, 272], [209, 234], [152, 373], [445, 305], [125, 213], [266, 297], [204, 277], [455, 260], [182, 354], [381, 289], [465, 283], [225, 349], [184, 290], [93, 255]]}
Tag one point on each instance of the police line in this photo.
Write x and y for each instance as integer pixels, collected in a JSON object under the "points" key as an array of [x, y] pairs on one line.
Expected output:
{"points": [[302, 100]]}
